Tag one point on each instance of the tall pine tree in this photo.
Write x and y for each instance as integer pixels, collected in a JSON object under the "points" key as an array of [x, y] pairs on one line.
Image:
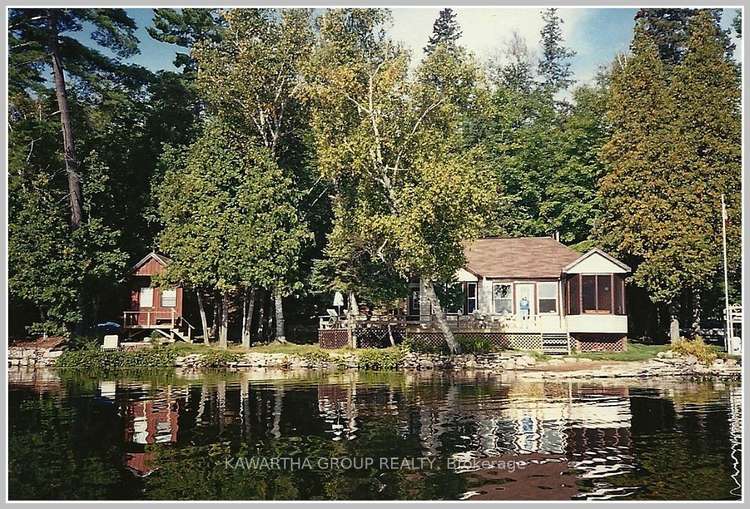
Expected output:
{"points": [[640, 220], [675, 148], [445, 30], [708, 136], [554, 65], [670, 30]]}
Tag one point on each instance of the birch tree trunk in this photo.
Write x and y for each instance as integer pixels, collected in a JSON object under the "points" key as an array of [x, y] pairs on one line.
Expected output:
{"points": [[217, 316], [350, 320], [279, 315], [204, 319], [224, 328], [69, 153], [437, 311], [262, 318], [674, 323], [247, 319]]}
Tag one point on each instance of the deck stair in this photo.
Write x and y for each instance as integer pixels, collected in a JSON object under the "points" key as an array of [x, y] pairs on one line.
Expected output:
{"points": [[555, 343]]}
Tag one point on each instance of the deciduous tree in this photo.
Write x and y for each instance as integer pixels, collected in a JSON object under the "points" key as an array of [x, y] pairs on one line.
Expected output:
{"points": [[229, 215], [404, 194]]}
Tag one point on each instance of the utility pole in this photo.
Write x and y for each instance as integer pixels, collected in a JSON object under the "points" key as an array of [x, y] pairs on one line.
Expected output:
{"points": [[728, 325]]}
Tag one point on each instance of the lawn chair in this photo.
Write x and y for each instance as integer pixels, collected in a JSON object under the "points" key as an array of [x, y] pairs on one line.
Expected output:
{"points": [[111, 342], [333, 317]]}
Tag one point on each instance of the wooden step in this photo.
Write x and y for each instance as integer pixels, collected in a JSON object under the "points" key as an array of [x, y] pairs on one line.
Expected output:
{"points": [[555, 343], [179, 334]]}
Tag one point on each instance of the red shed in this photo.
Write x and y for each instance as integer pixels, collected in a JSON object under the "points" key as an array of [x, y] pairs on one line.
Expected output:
{"points": [[153, 307]]}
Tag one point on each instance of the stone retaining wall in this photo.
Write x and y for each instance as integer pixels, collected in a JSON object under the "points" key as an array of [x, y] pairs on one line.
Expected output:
{"points": [[32, 357]]}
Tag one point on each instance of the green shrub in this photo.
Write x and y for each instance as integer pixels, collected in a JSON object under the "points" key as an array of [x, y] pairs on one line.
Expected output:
{"points": [[83, 343], [697, 348], [93, 358], [380, 359], [474, 344], [467, 343], [315, 357], [218, 359], [416, 345]]}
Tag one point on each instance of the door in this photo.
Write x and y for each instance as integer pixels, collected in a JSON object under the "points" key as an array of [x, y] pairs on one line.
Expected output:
{"points": [[525, 302]]}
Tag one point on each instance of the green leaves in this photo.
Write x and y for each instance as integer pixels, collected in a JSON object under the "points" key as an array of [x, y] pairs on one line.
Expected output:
{"points": [[675, 148], [229, 214], [408, 194]]}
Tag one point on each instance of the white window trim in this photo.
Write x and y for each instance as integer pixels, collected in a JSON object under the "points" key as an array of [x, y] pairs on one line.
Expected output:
{"points": [[161, 298], [141, 302], [539, 298], [475, 298], [512, 296], [534, 300]]}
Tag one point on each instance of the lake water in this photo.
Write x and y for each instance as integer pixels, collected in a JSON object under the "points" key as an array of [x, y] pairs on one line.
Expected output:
{"points": [[341, 436]]}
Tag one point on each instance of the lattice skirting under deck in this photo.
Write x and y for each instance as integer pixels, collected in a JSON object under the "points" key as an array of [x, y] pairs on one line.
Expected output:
{"points": [[500, 340], [599, 342], [333, 338]]}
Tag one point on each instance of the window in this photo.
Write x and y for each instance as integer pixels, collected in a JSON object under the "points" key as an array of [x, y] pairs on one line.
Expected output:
{"points": [[574, 295], [414, 301], [503, 297], [146, 298], [471, 298], [597, 293], [604, 293], [547, 297], [588, 291], [169, 298]]}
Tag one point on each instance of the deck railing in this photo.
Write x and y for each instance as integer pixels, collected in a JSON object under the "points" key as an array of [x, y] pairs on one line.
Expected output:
{"points": [[457, 322], [149, 318]]}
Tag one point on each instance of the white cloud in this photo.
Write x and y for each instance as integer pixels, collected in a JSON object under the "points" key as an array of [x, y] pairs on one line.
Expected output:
{"points": [[485, 29]]}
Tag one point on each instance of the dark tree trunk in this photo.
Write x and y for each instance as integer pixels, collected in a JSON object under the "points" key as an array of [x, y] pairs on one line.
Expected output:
{"points": [[204, 319], [248, 308], [71, 163], [696, 309], [262, 318], [279, 315], [437, 311]]}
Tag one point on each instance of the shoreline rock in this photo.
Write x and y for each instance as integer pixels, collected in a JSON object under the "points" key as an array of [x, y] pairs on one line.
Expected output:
{"points": [[563, 367]]}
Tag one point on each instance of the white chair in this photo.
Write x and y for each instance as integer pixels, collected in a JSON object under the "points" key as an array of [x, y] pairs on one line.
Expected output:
{"points": [[111, 342]]}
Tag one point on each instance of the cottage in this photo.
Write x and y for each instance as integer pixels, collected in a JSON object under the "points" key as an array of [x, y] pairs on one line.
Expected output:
{"points": [[540, 293], [153, 308]]}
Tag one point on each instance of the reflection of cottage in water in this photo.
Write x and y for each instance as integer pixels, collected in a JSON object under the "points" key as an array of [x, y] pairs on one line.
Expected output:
{"points": [[148, 422], [337, 407], [559, 433]]}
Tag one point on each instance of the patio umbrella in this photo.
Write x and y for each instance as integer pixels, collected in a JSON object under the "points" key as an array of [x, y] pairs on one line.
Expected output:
{"points": [[338, 301]]}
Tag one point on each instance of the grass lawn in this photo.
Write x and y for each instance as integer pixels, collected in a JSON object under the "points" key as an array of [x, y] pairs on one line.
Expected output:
{"points": [[635, 352], [286, 348]]}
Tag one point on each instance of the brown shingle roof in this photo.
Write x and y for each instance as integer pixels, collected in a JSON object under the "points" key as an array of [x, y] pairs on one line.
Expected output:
{"points": [[523, 257]]}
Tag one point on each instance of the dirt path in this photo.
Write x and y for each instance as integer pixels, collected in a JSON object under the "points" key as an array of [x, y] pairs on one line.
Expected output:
{"points": [[567, 367]]}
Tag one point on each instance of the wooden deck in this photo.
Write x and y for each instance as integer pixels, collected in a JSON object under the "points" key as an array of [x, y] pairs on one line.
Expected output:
{"points": [[167, 323], [550, 323]]}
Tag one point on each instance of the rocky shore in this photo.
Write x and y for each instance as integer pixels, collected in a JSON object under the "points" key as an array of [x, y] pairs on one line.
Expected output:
{"points": [[665, 364]]}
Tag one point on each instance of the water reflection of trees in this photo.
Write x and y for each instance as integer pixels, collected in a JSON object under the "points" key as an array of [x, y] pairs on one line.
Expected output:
{"points": [[592, 440]]}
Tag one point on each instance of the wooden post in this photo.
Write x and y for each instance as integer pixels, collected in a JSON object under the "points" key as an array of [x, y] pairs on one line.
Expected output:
{"points": [[729, 327]]}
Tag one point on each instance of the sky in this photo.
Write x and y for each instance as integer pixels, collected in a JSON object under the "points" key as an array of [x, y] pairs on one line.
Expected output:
{"points": [[595, 34]]}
